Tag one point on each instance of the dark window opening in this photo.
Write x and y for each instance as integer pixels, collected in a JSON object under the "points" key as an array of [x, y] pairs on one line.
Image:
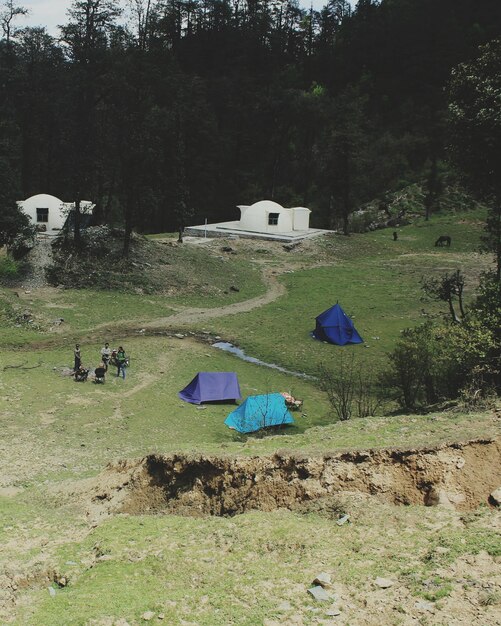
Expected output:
{"points": [[273, 219], [42, 215]]}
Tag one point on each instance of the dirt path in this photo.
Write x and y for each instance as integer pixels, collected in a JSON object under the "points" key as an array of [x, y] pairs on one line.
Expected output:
{"points": [[40, 258], [275, 290], [192, 315]]}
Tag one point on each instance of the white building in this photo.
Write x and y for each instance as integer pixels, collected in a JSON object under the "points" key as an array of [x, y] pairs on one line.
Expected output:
{"points": [[264, 219], [48, 213], [267, 216]]}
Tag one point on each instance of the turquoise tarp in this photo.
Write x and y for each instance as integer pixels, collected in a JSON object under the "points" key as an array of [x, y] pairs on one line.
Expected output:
{"points": [[258, 412]]}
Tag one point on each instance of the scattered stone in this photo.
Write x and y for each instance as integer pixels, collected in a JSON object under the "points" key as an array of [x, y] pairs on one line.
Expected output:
{"points": [[71, 563], [495, 497], [460, 463], [52, 592], [324, 580], [383, 583], [226, 249], [147, 616], [343, 520], [161, 616], [288, 247], [284, 606], [424, 606], [179, 335], [438, 497], [233, 288], [333, 613], [200, 408], [319, 593]]}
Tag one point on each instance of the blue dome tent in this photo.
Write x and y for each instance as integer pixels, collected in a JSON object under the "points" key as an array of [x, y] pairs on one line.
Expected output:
{"points": [[258, 412], [211, 387], [336, 327]]}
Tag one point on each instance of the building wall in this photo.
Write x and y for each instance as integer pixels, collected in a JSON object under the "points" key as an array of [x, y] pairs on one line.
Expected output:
{"points": [[301, 218], [257, 217], [56, 216]]}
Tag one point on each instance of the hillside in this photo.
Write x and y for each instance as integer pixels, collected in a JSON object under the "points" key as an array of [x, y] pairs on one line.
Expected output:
{"points": [[124, 505], [166, 268]]}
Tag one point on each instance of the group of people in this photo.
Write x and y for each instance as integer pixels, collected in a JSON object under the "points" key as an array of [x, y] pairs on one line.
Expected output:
{"points": [[109, 356]]}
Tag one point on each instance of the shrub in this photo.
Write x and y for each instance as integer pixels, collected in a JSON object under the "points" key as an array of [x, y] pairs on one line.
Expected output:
{"points": [[351, 389], [11, 270], [433, 363], [8, 267]]}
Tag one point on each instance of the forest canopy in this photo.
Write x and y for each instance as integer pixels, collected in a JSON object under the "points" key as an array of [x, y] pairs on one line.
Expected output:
{"points": [[163, 111]]}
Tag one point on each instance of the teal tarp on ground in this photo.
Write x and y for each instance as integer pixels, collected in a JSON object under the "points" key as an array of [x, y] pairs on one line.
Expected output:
{"points": [[259, 412]]}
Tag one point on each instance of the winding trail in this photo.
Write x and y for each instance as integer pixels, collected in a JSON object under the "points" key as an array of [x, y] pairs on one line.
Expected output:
{"points": [[192, 315], [275, 290]]}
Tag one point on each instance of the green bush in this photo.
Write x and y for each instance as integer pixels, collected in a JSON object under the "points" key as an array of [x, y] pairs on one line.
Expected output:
{"points": [[437, 362], [10, 269]]}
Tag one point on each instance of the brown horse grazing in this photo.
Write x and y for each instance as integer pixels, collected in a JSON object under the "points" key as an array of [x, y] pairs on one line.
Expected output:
{"points": [[443, 240]]}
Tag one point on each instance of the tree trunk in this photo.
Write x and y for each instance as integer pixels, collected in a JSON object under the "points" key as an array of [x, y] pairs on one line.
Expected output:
{"points": [[497, 236], [128, 225], [454, 317], [77, 239]]}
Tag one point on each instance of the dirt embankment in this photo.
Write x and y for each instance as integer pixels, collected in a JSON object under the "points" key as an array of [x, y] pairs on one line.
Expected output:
{"points": [[461, 475]]}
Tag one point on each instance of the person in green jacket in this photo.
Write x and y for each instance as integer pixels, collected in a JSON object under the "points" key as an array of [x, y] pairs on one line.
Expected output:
{"points": [[121, 362]]}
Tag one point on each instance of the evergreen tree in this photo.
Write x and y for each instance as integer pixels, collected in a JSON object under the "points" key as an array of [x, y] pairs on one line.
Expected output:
{"points": [[475, 130]]}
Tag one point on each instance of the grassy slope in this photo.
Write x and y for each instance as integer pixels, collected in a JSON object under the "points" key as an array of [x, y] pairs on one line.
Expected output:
{"points": [[225, 571], [376, 280], [239, 571]]}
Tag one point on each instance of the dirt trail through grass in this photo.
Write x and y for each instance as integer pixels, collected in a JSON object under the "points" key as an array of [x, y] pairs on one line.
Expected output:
{"points": [[192, 315]]}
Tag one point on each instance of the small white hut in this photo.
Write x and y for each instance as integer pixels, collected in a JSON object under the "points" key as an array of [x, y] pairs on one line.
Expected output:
{"points": [[267, 216], [48, 213]]}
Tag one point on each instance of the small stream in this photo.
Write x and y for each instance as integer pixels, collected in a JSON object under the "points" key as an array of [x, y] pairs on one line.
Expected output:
{"points": [[229, 347]]}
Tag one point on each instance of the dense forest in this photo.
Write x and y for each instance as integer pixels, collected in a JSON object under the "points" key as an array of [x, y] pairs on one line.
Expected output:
{"points": [[164, 112]]}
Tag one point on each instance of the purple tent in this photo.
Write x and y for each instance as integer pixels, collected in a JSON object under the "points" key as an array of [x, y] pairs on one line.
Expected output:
{"points": [[211, 387]]}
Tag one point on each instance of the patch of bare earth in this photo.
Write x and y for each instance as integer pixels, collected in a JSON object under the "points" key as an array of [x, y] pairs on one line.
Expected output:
{"points": [[460, 475]]}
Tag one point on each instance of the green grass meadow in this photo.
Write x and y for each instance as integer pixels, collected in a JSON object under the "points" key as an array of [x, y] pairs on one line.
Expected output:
{"points": [[253, 569], [377, 282]]}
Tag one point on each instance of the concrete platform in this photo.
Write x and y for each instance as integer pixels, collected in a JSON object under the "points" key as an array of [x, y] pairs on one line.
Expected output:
{"points": [[230, 229]]}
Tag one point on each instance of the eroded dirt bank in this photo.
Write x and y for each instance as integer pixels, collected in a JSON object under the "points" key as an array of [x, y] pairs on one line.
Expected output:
{"points": [[460, 475]]}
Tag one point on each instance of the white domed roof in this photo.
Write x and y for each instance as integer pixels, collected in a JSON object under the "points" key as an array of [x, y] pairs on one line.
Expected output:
{"points": [[267, 205], [43, 198]]}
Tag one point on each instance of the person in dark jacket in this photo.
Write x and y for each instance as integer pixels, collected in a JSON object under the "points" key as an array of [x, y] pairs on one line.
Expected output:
{"points": [[121, 362], [78, 358]]}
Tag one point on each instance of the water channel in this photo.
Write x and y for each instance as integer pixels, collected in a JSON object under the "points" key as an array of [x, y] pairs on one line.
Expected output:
{"points": [[229, 347]]}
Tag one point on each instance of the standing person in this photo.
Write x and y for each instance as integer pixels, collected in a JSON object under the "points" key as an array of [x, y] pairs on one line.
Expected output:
{"points": [[106, 355], [78, 358], [121, 359]]}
